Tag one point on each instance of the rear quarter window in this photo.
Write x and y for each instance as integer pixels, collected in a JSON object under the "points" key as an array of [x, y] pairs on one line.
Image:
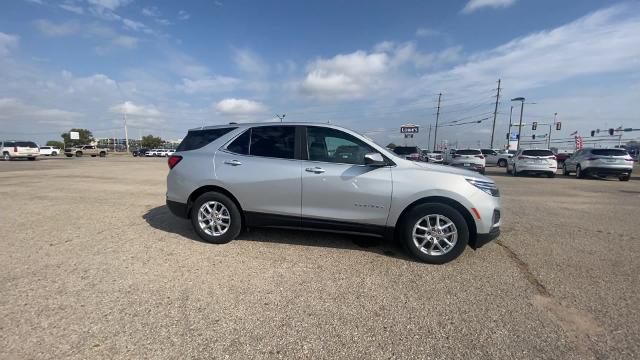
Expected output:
{"points": [[609, 152], [537, 153], [197, 139]]}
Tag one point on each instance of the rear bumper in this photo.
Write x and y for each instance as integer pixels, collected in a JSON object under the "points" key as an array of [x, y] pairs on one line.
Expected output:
{"points": [[472, 166], [604, 171], [178, 209]]}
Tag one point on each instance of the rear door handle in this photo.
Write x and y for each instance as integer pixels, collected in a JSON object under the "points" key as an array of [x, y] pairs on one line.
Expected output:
{"points": [[315, 170], [232, 162]]}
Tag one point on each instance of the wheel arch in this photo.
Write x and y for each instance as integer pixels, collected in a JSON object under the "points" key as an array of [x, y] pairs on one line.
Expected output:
{"points": [[213, 188], [471, 224]]}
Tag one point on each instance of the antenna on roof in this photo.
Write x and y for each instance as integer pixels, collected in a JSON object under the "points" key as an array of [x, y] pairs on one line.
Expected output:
{"points": [[281, 117]]}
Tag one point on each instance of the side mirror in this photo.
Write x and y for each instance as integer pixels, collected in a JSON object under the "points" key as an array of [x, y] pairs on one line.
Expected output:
{"points": [[374, 159]]}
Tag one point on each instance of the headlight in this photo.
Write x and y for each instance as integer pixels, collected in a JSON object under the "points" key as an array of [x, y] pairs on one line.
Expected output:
{"points": [[487, 186]]}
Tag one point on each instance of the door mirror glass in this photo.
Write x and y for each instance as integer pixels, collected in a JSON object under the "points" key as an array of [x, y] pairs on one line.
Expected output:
{"points": [[374, 159]]}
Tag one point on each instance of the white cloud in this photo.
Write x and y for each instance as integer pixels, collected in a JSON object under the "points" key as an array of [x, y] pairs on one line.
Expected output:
{"points": [[12, 109], [208, 84], [133, 25], [249, 62], [72, 8], [7, 42], [51, 29], [151, 11], [474, 5], [136, 110], [240, 107], [183, 15], [109, 4], [125, 41]]}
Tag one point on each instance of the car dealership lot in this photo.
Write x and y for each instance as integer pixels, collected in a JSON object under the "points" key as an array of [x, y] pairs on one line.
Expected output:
{"points": [[94, 265]]}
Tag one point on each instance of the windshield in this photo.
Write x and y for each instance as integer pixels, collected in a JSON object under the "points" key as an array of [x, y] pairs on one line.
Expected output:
{"points": [[609, 152], [468, 152], [537, 153], [405, 150]]}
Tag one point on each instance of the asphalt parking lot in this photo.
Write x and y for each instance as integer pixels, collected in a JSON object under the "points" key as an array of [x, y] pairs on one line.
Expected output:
{"points": [[94, 266]]}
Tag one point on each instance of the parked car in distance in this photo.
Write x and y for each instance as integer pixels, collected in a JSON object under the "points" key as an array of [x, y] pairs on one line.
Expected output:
{"points": [[470, 159], [139, 152], [325, 177], [432, 156], [600, 162], [18, 149], [533, 161], [409, 152], [170, 152], [49, 150], [562, 156], [161, 152], [504, 156], [490, 156], [85, 150]]}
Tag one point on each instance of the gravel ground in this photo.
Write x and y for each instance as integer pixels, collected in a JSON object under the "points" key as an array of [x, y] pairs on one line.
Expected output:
{"points": [[94, 266]]}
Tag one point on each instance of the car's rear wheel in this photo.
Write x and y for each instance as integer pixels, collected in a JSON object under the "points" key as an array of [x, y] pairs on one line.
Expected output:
{"points": [[54, 154], [579, 173], [551, 175], [216, 218], [624, 178], [32, 158], [78, 153], [103, 154], [502, 163], [434, 233], [6, 156]]}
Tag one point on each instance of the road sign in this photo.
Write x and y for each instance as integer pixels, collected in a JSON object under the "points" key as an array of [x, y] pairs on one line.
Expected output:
{"points": [[74, 135], [409, 129]]}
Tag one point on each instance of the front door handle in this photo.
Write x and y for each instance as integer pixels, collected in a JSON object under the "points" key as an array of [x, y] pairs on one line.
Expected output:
{"points": [[315, 170], [233, 162]]}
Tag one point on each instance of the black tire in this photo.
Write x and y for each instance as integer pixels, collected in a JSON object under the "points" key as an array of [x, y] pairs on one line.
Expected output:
{"points": [[6, 156], [234, 214], [93, 156], [32, 158], [579, 173], [422, 210], [78, 153], [54, 154], [482, 171], [502, 163], [103, 154], [624, 178], [69, 155], [565, 171], [514, 172], [551, 175]]}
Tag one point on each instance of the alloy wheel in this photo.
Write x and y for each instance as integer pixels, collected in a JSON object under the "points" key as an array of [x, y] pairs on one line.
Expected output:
{"points": [[214, 218], [435, 234]]}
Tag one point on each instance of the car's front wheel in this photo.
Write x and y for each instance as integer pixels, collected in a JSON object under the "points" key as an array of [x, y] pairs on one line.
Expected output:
{"points": [[435, 233], [579, 173], [624, 177], [502, 163], [216, 218]]}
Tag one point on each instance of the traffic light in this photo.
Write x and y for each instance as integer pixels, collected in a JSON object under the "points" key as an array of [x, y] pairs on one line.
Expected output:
{"points": [[558, 125], [534, 126], [533, 136], [593, 133], [507, 136], [610, 131]]}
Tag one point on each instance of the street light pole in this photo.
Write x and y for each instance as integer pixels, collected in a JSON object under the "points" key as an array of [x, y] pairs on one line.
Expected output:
{"points": [[521, 99], [509, 131], [555, 117]]}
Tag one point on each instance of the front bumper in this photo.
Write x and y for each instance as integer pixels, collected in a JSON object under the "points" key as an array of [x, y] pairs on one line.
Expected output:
{"points": [[482, 239]]}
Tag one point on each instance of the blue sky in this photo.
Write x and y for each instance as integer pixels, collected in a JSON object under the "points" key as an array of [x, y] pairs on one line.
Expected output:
{"points": [[367, 65]]}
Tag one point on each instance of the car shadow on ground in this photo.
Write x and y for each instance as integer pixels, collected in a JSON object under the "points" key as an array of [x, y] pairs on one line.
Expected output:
{"points": [[161, 218]]}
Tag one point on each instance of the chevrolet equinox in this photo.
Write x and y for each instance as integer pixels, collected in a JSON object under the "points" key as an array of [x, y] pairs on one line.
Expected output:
{"points": [[324, 177]]}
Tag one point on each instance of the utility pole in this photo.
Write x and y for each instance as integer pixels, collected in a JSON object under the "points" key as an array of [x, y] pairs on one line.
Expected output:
{"points": [[555, 117], [126, 132], [509, 131], [520, 125], [435, 133], [495, 114], [429, 138]]}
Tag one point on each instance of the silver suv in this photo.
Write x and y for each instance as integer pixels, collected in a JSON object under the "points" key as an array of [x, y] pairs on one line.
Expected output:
{"points": [[600, 162], [324, 177]]}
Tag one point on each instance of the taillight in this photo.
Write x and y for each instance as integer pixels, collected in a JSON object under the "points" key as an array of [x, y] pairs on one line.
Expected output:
{"points": [[553, 158], [173, 161], [15, 149], [480, 156], [521, 157]]}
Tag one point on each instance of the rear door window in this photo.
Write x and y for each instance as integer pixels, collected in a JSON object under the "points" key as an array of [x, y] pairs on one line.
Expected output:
{"points": [[197, 139], [609, 152], [537, 153], [273, 141]]}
